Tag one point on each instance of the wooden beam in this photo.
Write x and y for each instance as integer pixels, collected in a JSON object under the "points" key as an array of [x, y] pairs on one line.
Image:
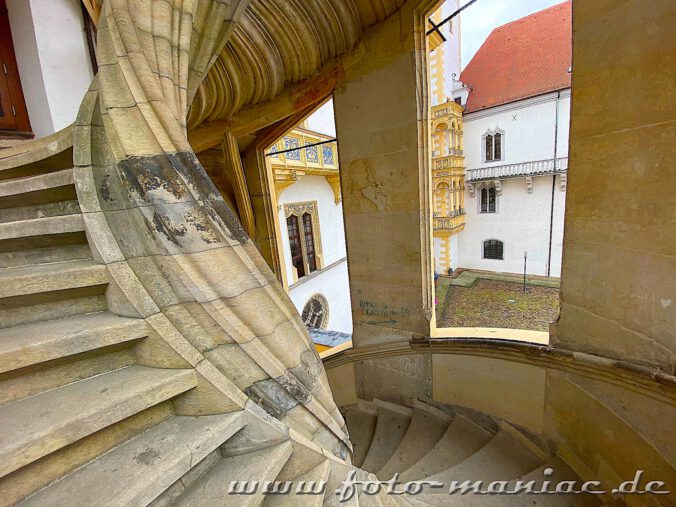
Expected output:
{"points": [[307, 95], [235, 172]]}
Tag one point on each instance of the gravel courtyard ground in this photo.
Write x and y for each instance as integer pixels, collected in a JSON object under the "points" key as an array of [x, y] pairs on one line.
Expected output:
{"points": [[491, 303]]}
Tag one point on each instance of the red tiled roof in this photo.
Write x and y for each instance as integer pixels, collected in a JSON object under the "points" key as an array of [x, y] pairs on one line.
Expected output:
{"points": [[521, 59]]}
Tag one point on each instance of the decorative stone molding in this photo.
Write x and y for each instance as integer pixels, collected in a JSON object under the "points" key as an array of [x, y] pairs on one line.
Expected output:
{"points": [[529, 184], [471, 188], [299, 209], [564, 182]]}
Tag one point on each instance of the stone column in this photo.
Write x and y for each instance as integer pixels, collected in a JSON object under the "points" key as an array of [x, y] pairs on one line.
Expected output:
{"points": [[619, 254], [381, 120]]}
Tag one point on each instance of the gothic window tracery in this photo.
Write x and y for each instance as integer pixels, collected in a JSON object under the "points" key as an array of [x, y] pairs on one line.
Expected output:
{"points": [[316, 312]]}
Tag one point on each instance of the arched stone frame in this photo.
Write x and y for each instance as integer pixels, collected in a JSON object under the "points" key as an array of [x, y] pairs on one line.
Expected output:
{"points": [[310, 311], [492, 132], [299, 209], [442, 203], [440, 132]]}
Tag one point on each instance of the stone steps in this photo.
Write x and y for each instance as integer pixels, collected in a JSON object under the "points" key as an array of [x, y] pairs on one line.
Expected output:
{"points": [[142, 468], [31, 344], [362, 426], [393, 421], [36, 426], [437, 446], [315, 475], [30, 280], [44, 226], [426, 429], [213, 486], [460, 440]]}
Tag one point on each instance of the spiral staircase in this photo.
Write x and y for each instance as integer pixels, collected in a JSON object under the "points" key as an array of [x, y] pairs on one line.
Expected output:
{"points": [[150, 356]]}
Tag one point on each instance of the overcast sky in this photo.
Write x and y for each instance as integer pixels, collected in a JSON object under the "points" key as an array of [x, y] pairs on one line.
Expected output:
{"points": [[480, 19]]}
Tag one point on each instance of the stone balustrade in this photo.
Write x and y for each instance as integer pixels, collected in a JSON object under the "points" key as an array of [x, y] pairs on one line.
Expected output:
{"points": [[533, 168]]}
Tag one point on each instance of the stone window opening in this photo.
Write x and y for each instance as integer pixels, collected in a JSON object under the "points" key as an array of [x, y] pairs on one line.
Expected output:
{"points": [[316, 312], [493, 146], [493, 249], [302, 222], [488, 200]]}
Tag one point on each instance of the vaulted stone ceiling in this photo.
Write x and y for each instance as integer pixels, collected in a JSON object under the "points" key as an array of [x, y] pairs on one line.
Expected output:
{"points": [[277, 44]]}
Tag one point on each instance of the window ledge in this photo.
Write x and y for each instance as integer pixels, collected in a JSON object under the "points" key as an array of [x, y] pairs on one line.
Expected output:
{"points": [[316, 273]]}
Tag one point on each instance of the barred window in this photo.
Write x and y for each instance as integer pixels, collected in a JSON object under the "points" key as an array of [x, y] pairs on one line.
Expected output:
{"points": [[316, 312], [493, 249]]}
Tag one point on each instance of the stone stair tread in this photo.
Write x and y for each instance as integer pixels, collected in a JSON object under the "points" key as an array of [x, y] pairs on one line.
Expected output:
{"points": [[34, 343], [142, 468], [27, 280], [20, 186], [362, 426], [36, 183], [390, 429], [212, 487], [503, 458], [36, 426], [59, 224], [425, 430], [462, 439], [561, 472], [318, 473]]}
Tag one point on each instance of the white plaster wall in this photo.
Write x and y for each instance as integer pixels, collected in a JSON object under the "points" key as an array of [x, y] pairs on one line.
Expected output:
{"points": [[529, 130], [455, 250], [331, 282], [522, 220], [521, 223], [334, 285], [51, 52], [450, 50]]}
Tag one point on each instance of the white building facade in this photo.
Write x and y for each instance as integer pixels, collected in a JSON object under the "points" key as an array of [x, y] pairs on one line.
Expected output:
{"points": [[330, 281], [54, 76], [516, 197], [516, 95], [310, 218]]}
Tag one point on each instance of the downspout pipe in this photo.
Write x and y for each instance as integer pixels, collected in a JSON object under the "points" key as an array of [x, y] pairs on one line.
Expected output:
{"points": [[551, 210]]}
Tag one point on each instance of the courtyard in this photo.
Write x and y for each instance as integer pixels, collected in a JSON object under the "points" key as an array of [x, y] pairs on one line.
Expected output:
{"points": [[484, 302]]}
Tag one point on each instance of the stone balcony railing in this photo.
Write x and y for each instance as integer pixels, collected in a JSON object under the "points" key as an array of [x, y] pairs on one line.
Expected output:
{"points": [[448, 221], [533, 168]]}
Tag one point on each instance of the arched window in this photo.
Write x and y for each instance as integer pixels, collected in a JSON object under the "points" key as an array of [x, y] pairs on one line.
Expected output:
{"points": [[488, 199], [493, 147], [316, 312], [493, 249]]}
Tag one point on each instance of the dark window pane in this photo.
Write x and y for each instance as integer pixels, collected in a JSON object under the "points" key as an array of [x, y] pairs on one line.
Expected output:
{"points": [[294, 244], [491, 200], [484, 200], [489, 147], [309, 242], [493, 249], [315, 313], [497, 150]]}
